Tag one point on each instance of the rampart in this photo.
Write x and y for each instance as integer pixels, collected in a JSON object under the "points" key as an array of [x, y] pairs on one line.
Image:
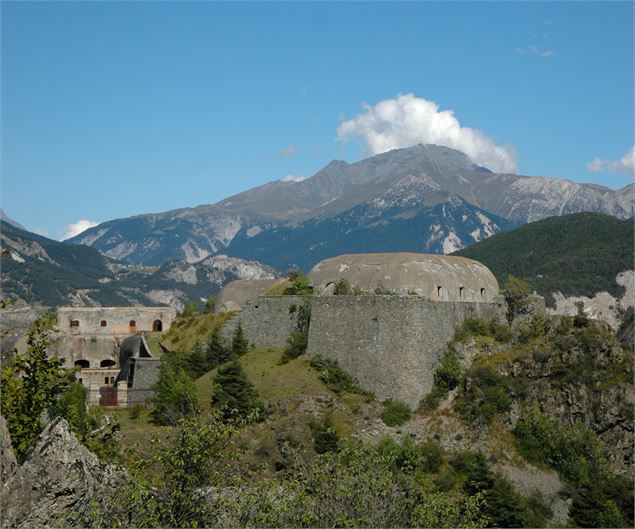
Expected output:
{"points": [[392, 344], [266, 321]]}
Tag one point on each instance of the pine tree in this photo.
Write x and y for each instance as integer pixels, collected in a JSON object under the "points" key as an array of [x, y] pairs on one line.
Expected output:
{"points": [[217, 351], [233, 393], [175, 395], [240, 345], [196, 361]]}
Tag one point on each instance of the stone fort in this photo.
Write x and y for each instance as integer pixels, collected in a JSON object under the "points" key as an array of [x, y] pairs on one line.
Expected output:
{"points": [[391, 334], [108, 343]]}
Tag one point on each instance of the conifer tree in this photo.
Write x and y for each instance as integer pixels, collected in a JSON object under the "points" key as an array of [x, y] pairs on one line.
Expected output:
{"points": [[233, 393], [217, 351], [240, 344]]}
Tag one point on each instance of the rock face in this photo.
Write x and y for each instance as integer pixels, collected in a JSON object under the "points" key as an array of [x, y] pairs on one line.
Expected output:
{"points": [[8, 463], [57, 483]]}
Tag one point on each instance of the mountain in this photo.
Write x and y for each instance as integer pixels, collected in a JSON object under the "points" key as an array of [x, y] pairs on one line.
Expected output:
{"points": [[576, 255], [4, 217], [415, 179], [41, 271]]}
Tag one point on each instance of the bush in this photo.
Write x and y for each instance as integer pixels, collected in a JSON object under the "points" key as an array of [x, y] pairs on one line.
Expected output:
{"points": [[298, 338], [191, 309], [325, 437], [335, 378], [342, 288], [299, 285], [175, 395], [485, 396], [395, 412], [478, 327]]}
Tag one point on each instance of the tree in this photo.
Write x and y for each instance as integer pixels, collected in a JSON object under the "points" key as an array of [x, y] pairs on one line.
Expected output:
{"points": [[196, 361], [31, 384], [240, 345], [210, 303], [175, 394], [191, 309], [516, 295], [217, 351], [298, 339], [233, 394], [299, 284]]}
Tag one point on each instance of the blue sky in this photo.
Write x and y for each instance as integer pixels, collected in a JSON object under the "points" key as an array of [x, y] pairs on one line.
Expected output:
{"points": [[116, 109]]}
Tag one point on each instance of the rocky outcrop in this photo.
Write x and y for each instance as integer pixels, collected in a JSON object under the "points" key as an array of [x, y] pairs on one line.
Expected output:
{"points": [[59, 482], [8, 463]]}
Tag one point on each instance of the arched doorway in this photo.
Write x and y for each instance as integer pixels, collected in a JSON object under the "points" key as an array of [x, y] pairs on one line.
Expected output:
{"points": [[157, 325]]}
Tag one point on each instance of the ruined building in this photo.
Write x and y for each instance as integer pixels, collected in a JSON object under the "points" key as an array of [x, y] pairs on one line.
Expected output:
{"points": [[117, 366]]}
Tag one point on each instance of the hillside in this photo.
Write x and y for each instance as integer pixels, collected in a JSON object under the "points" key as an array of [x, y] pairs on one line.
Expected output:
{"points": [[42, 271], [577, 255]]}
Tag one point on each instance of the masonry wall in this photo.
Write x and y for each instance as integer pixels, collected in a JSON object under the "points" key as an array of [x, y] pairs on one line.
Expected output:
{"points": [[266, 321], [117, 319], [145, 373], [392, 344]]}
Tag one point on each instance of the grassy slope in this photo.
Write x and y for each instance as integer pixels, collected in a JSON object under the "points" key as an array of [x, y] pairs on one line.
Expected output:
{"points": [[577, 254], [187, 331]]}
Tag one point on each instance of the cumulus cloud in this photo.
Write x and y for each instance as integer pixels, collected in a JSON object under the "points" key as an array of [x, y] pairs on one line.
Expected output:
{"points": [[293, 178], [408, 120], [288, 151], [76, 228], [626, 164]]}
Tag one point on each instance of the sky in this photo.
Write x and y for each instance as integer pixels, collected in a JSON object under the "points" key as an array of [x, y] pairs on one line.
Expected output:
{"points": [[116, 109]]}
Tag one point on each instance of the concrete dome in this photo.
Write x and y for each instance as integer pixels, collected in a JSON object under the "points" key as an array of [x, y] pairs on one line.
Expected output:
{"points": [[234, 295], [437, 277]]}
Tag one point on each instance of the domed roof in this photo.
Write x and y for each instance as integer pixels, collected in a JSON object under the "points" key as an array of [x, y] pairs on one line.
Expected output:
{"points": [[438, 277], [234, 295]]}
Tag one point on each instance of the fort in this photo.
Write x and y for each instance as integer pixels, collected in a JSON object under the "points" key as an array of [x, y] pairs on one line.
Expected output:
{"points": [[107, 343], [390, 335]]}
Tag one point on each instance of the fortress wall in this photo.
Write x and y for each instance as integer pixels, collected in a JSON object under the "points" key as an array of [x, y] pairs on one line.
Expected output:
{"points": [[266, 321], [392, 344], [117, 319], [91, 348]]}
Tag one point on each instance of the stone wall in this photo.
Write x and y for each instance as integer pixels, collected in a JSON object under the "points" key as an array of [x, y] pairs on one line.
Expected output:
{"points": [[392, 344], [117, 319], [266, 321]]}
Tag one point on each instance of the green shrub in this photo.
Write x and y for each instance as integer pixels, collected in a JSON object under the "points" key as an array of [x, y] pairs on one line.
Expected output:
{"points": [[335, 378], [234, 395], [477, 327], [325, 437], [299, 285], [342, 288], [395, 412], [485, 396], [240, 344], [299, 337], [217, 352]]}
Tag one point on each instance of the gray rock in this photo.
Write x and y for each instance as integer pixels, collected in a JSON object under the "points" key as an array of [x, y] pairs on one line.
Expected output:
{"points": [[59, 482], [8, 463]]}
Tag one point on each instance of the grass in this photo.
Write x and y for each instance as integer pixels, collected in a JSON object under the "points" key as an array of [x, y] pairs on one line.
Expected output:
{"points": [[153, 339], [187, 331], [278, 288]]}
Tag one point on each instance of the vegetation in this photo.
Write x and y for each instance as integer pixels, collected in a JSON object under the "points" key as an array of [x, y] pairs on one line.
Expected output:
{"points": [[175, 394], [190, 309], [31, 385], [217, 351], [335, 378], [516, 294], [298, 339], [210, 303], [599, 498], [342, 288], [395, 413], [234, 395], [299, 284], [577, 254], [240, 344], [325, 437], [447, 377]]}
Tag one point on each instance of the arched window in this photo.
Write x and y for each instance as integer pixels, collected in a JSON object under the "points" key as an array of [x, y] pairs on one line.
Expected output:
{"points": [[460, 292], [84, 364], [107, 363], [132, 323], [439, 292], [157, 325], [482, 292], [103, 323]]}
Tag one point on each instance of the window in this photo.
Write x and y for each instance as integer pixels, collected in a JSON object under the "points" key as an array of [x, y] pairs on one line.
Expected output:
{"points": [[460, 292], [482, 292], [112, 380], [84, 364], [81, 380], [107, 363], [74, 323], [132, 323], [439, 292], [106, 380], [103, 323]]}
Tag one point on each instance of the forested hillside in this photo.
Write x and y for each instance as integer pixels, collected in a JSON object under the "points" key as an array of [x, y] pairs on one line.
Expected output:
{"points": [[578, 254]]}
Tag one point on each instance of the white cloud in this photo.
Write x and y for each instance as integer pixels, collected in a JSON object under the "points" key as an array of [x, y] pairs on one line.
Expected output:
{"points": [[293, 178], [76, 228], [408, 120], [288, 151], [626, 164], [535, 50]]}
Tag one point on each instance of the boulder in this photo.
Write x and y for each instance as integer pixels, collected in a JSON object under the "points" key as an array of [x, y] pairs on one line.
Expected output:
{"points": [[59, 482]]}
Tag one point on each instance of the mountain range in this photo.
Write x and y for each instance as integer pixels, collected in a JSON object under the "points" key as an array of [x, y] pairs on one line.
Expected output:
{"points": [[424, 198], [37, 270]]}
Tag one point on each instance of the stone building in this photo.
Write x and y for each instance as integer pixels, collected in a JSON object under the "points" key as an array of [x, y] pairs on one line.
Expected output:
{"points": [[105, 342], [392, 340]]}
